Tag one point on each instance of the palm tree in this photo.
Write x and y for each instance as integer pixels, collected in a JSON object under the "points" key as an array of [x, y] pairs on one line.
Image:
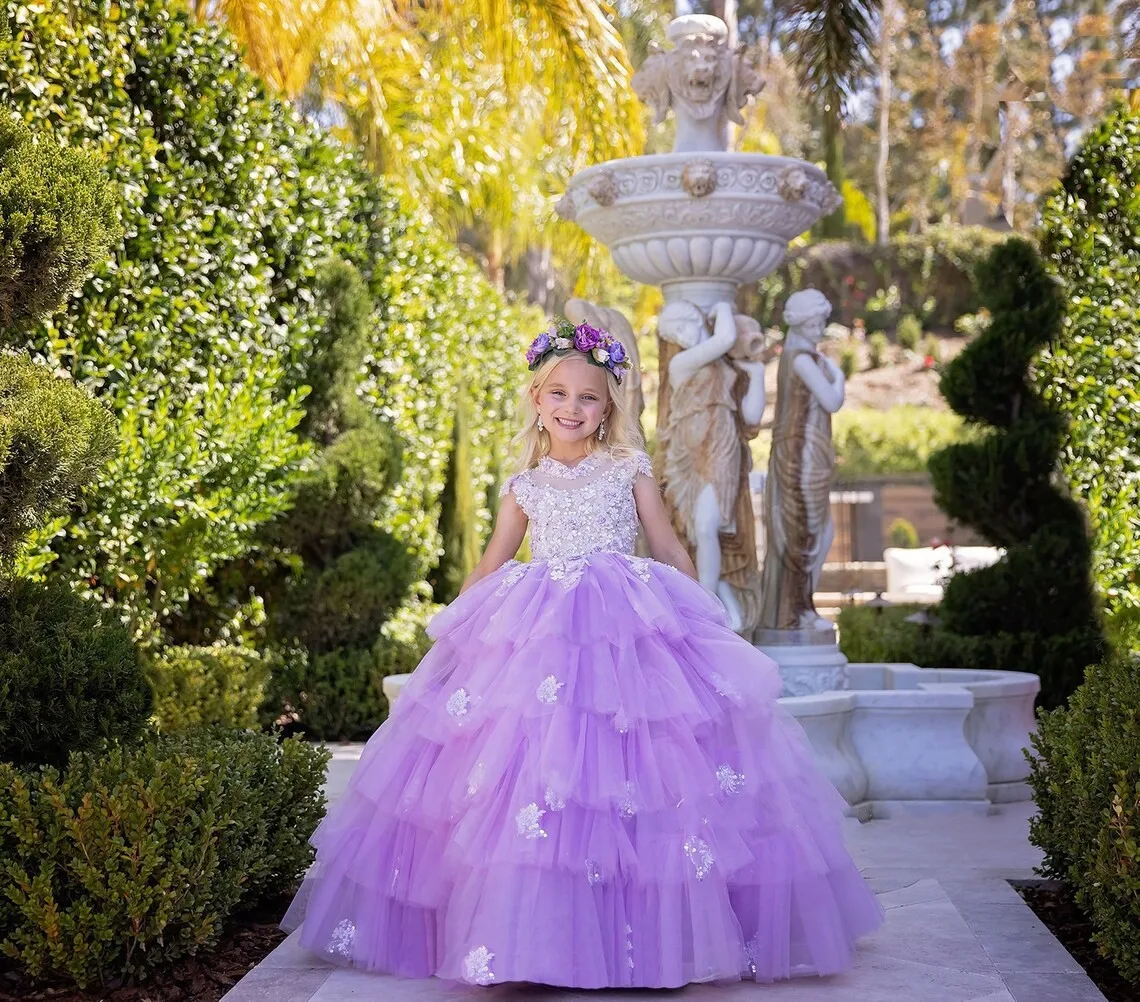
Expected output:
{"points": [[483, 107], [832, 42]]}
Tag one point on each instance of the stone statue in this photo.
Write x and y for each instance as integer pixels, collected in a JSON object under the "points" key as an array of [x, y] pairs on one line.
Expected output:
{"points": [[583, 311], [715, 405], [701, 79], [798, 523]]}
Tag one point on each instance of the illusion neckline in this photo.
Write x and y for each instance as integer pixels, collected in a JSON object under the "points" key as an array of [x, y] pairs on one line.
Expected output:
{"points": [[558, 468]]}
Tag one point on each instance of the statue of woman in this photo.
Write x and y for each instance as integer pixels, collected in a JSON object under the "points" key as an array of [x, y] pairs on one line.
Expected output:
{"points": [[810, 388], [704, 445]]}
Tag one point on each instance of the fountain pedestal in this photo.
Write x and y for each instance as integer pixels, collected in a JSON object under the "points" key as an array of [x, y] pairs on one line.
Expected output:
{"points": [[810, 660]]}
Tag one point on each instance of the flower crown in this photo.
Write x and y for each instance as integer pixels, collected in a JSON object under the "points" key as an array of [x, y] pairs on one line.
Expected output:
{"points": [[599, 346]]}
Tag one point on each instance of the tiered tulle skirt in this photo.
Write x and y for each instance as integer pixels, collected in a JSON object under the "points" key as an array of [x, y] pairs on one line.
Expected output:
{"points": [[587, 782]]}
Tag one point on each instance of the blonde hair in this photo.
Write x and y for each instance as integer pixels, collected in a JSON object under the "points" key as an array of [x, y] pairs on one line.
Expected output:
{"points": [[623, 433]]}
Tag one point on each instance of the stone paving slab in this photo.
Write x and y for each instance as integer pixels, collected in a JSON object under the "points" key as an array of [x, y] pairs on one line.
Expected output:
{"points": [[956, 931]]}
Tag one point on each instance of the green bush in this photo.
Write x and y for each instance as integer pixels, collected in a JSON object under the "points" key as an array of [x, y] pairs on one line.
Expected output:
{"points": [[338, 695], [69, 675], [57, 217], [881, 636], [895, 441], [849, 360], [932, 349], [909, 332], [877, 348], [53, 440], [1090, 236], [1036, 603], [1086, 783], [208, 686], [902, 533], [933, 274], [131, 858]]}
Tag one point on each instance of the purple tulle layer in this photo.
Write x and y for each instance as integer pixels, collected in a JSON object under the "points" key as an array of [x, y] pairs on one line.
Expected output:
{"points": [[587, 782]]}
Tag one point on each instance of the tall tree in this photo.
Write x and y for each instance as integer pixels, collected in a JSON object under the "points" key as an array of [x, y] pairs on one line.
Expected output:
{"points": [[473, 103], [831, 46]]}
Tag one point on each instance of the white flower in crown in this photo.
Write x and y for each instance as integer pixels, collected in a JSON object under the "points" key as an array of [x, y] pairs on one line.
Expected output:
{"points": [[562, 342], [601, 355]]}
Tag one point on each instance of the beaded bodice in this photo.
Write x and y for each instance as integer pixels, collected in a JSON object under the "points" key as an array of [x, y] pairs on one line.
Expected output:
{"points": [[580, 509]]}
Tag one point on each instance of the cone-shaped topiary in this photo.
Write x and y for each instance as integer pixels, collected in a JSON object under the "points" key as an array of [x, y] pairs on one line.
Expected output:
{"points": [[1034, 609]]}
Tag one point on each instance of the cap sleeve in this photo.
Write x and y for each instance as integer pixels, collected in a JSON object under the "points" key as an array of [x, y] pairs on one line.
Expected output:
{"points": [[519, 484], [642, 463]]}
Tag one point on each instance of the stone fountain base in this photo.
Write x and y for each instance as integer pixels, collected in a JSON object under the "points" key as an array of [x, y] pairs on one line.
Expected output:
{"points": [[810, 660], [909, 740]]}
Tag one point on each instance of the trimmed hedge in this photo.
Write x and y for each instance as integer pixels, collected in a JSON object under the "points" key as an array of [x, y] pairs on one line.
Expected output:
{"points": [[1034, 609], [1090, 237], [53, 440], [208, 686], [128, 859], [1086, 782], [338, 695], [69, 675]]}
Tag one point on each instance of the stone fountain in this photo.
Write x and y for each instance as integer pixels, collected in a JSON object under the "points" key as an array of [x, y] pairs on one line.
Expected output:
{"points": [[699, 222]]}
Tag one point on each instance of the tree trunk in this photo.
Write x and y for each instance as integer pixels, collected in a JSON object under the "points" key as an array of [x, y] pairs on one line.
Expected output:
{"points": [[496, 267], [833, 227], [540, 277], [885, 41], [726, 10], [1011, 133]]}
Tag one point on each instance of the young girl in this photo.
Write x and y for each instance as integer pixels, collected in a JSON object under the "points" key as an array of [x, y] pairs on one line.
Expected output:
{"points": [[587, 782]]}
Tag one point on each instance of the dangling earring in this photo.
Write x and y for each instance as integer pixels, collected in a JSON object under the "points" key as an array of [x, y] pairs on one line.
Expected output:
{"points": [[541, 426], [602, 430]]}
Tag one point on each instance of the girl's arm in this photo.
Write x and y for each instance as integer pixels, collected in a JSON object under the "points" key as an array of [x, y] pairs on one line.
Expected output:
{"points": [[510, 527], [663, 542]]}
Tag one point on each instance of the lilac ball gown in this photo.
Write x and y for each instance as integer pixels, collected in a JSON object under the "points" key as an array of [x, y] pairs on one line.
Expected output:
{"points": [[587, 782]]}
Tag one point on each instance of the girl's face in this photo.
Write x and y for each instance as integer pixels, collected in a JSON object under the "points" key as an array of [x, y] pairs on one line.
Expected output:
{"points": [[573, 400]]}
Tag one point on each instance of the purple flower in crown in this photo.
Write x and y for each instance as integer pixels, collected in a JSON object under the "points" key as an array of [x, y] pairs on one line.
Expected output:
{"points": [[587, 337], [617, 351], [538, 347]]}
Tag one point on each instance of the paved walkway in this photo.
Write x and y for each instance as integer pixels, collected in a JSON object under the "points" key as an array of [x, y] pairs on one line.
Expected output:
{"points": [[955, 931]]}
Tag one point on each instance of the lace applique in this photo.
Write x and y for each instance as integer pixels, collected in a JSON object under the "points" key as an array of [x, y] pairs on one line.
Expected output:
{"points": [[629, 947], [627, 808], [477, 966], [567, 570], [700, 855], [513, 576], [640, 565], [731, 782], [553, 800], [340, 942], [528, 821], [752, 952], [593, 874], [643, 464], [458, 702], [548, 689], [725, 687]]}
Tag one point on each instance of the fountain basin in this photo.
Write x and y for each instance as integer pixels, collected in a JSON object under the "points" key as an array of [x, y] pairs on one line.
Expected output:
{"points": [[721, 216], [909, 740]]}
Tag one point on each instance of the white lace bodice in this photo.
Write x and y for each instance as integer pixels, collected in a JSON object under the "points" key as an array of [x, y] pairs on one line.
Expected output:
{"points": [[586, 508]]}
